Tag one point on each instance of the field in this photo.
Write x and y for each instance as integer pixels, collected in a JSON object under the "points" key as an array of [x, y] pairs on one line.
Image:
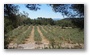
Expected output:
{"points": [[45, 37]]}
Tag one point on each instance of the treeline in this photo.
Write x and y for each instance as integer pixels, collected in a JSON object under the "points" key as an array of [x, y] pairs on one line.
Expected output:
{"points": [[14, 21], [24, 20], [41, 21], [13, 18], [67, 22], [71, 22]]}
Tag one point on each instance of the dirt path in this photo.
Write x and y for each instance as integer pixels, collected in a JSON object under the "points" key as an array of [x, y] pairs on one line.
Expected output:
{"points": [[44, 40], [31, 37], [12, 44], [30, 43], [44, 29]]}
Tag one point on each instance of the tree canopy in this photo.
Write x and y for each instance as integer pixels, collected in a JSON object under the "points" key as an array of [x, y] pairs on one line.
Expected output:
{"points": [[33, 7], [70, 10], [13, 18]]}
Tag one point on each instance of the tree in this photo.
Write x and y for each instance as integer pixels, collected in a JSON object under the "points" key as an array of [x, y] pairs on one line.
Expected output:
{"points": [[79, 8], [10, 17], [70, 10], [33, 7], [10, 20]]}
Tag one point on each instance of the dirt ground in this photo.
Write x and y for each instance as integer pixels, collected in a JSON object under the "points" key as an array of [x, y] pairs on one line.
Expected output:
{"points": [[31, 44], [12, 44]]}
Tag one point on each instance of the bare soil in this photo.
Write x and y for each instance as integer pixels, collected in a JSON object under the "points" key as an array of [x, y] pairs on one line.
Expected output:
{"points": [[70, 45], [12, 44], [31, 37], [44, 40], [31, 44]]}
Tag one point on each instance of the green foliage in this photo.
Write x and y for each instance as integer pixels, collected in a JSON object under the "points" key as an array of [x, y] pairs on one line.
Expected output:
{"points": [[79, 23], [16, 23], [36, 35], [64, 23], [21, 38], [42, 21], [19, 34], [69, 10], [71, 22], [57, 35]]}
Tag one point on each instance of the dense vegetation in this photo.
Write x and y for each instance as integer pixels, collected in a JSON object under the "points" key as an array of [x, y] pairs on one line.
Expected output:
{"points": [[56, 36], [14, 20]]}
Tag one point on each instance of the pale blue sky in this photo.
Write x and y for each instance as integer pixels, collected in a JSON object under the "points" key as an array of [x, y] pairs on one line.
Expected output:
{"points": [[45, 11]]}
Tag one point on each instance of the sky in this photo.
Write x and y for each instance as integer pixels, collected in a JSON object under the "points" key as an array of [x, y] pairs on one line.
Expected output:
{"points": [[45, 11]]}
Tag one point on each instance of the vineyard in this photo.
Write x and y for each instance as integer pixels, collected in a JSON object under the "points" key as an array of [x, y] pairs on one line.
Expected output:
{"points": [[45, 37]]}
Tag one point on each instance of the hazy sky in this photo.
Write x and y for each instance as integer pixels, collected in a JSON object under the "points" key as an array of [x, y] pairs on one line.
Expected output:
{"points": [[45, 11]]}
